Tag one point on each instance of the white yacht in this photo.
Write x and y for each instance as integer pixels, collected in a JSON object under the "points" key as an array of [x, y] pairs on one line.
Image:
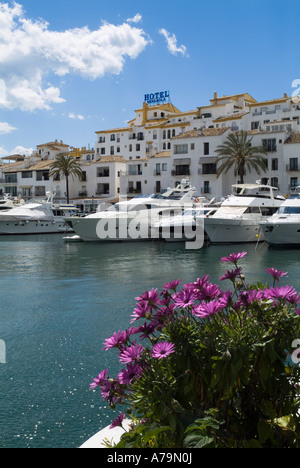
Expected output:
{"points": [[182, 227], [283, 228], [36, 217], [238, 218], [7, 203], [132, 220]]}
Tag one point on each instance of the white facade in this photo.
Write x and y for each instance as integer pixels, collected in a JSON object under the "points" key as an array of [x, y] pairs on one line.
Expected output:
{"points": [[162, 145]]}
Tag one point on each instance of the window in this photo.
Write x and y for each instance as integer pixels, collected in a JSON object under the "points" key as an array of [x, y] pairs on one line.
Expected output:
{"points": [[13, 191], [294, 182], [206, 188], [192, 146], [40, 176], [270, 145], [275, 164], [112, 150], [103, 189], [293, 164], [182, 170], [165, 167], [275, 182], [40, 191], [209, 169], [102, 171], [135, 169], [181, 149], [254, 125], [138, 147], [10, 179], [157, 170], [206, 149], [27, 175], [112, 137], [102, 139], [102, 150]]}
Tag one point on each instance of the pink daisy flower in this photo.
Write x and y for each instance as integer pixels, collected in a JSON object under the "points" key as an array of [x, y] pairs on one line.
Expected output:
{"points": [[162, 350]]}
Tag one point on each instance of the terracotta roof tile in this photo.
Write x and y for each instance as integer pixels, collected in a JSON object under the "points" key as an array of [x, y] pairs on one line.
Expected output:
{"points": [[294, 138], [206, 132]]}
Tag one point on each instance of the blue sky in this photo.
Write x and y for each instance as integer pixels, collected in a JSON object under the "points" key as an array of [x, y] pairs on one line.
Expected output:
{"points": [[70, 68]]}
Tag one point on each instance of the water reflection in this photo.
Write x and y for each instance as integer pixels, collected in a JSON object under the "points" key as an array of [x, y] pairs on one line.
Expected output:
{"points": [[60, 301]]}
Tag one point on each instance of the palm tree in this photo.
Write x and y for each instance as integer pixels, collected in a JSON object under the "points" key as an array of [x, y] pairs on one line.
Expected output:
{"points": [[66, 166], [238, 152]]}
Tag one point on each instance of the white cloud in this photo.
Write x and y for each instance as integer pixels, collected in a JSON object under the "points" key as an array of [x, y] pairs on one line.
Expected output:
{"points": [[172, 43], [16, 150], [136, 19], [3, 152], [30, 52], [6, 128], [22, 150], [75, 116]]}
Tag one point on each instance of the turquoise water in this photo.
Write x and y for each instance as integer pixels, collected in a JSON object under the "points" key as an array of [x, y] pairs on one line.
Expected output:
{"points": [[58, 304]]}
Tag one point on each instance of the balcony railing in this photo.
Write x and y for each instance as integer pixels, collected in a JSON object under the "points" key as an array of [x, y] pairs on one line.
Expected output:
{"points": [[292, 168], [181, 173]]}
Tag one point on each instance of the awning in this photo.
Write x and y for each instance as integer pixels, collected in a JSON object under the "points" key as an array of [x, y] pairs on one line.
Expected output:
{"points": [[230, 211], [208, 160], [182, 162]]}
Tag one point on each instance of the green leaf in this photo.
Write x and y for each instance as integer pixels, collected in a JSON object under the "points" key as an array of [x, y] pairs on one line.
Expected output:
{"points": [[252, 443], [265, 432], [197, 441]]}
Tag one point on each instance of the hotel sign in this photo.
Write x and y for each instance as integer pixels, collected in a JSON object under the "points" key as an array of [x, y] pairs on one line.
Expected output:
{"points": [[157, 98]]}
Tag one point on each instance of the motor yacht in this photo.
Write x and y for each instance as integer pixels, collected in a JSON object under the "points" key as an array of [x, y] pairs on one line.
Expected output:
{"points": [[283, 228], [182, 228], [237, 219], [131, 220], [36, 217], [7, 203]]}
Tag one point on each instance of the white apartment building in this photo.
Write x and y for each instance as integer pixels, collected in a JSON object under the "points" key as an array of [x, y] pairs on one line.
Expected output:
{"points": [[162, 145]]}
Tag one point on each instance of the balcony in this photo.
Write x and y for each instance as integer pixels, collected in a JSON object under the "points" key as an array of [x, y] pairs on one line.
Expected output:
{"points": [[292, 168], [181, 173]]}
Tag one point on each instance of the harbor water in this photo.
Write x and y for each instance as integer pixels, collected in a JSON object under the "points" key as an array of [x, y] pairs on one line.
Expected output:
{"points": [[58, 304]]}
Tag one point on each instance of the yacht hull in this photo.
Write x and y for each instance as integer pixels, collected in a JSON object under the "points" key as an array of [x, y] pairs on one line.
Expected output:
{"points": [[32, 227], [116, 230], [221, 231], [281, 234]]}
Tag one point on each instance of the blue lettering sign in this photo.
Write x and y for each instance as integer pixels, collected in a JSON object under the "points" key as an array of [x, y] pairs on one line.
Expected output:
{"points": [[157, 98]]}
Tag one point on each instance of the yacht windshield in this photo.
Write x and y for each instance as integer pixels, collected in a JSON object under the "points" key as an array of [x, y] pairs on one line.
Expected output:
{"points": [[289, 210], [189, 213]]}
